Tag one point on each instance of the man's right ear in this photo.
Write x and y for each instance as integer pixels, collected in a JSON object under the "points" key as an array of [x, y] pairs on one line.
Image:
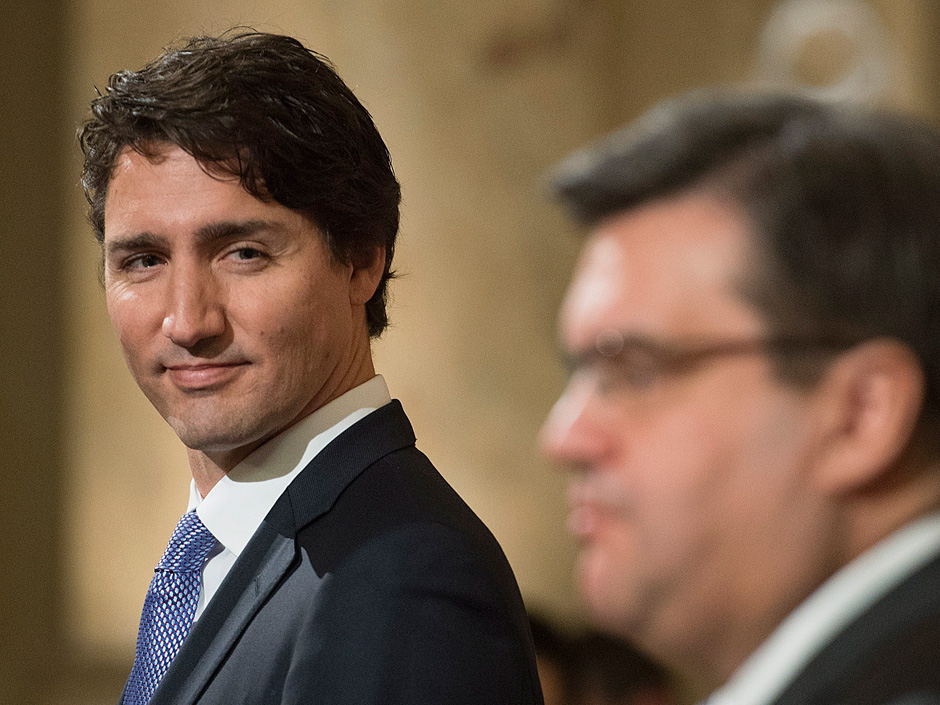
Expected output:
{"points": [[367, 271], [868, 404]]}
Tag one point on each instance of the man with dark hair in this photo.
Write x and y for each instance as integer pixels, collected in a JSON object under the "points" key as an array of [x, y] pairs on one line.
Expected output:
{"points": [[247, 212], [752, 419]]}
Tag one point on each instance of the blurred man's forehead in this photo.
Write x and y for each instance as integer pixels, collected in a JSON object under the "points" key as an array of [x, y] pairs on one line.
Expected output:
{"points": [[599, 277], [669, 267]]}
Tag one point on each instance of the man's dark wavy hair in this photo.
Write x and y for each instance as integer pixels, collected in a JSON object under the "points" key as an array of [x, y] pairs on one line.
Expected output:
{"points": [[267, 110], [843, 202]]}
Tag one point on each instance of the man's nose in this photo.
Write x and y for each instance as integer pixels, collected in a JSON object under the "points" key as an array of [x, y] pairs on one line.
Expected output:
{"points": [[194, 308], [571, 435]]}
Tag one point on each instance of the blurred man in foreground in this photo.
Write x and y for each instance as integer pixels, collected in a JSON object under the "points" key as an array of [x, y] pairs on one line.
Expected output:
{"points": [[247, 212], [751, 422]]}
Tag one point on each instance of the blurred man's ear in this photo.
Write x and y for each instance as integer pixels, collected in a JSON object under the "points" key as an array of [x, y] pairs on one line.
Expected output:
{"points": [[868, 404]]}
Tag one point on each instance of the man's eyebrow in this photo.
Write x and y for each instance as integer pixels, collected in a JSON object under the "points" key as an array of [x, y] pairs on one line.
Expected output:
{"points": [[145, 240], [232, 229], [586, 355], [575, 359], [206, 235]]}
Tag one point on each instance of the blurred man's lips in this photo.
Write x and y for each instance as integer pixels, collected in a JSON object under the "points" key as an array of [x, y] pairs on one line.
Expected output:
{"points": [[595, 499], [203, 375], [586, 520], [591, 507], [583, 521]]}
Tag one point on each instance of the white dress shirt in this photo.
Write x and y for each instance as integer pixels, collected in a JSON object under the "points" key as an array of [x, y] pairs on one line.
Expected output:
{"points": [[234, 509], [829, 610]]}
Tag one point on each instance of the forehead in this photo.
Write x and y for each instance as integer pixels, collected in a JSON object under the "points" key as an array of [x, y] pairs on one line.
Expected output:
{"points": [[669, 268], [169, 187], [159, 163]]}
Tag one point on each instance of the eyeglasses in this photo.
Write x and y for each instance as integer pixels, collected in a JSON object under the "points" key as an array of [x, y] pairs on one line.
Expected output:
{"points": [[636, 365]]}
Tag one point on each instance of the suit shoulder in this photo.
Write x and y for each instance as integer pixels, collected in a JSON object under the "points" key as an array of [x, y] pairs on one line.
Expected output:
{"points": [[889, 654], [402, 488], [401, 500]]}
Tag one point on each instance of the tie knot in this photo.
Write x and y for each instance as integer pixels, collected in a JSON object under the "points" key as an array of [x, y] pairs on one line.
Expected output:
{"points": [[189, 546]]}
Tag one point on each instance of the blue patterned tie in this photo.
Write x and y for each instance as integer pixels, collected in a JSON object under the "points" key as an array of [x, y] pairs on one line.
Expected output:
{"points": [[169, 608]]}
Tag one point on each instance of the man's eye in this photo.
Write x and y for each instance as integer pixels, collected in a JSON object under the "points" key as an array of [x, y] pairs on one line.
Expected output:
{"points": [[640, 377], [142, 262], [632, 374], [246, 253]]}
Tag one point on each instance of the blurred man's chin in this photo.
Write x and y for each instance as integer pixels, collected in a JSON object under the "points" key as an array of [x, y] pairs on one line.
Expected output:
{"points": [[598, 592]]}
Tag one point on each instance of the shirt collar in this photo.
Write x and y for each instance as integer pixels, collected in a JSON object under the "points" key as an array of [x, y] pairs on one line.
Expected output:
{"points": [[829, 610], [237, 504]]}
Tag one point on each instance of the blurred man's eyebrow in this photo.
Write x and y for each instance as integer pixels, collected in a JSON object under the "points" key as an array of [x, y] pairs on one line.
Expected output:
{"points": [[574, 359]]}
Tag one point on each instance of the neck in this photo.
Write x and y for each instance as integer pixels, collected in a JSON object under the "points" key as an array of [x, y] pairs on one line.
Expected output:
{"points": [[206, 472], [210, 466], [864, 518], [877, 513]]}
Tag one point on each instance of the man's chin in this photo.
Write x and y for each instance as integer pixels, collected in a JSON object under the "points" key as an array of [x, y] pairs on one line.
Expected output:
{"points": [[212, 439], [603, 595]]}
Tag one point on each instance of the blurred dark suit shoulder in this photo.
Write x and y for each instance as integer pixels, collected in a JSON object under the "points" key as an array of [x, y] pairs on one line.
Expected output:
{"points": [[888, 656]]}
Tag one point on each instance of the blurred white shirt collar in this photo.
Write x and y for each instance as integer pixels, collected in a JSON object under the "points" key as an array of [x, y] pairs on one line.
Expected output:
{"points": [[829, 610]]}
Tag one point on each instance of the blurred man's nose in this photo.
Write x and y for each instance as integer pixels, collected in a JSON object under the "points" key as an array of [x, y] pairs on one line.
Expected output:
{"points": [[570, 435]]}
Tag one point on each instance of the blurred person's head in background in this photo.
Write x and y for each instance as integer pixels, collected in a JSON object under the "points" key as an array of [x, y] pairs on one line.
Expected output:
{"points": [[611, 671], [754, 336], [554, 658], [593, 668]]}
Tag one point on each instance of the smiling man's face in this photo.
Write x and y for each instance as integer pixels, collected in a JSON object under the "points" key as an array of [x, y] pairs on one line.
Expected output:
{"points": [[233, 317]]}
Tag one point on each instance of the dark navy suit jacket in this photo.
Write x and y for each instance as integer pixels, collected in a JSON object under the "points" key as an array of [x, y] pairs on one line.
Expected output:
{"points": [[890, 654], [370, 581]]}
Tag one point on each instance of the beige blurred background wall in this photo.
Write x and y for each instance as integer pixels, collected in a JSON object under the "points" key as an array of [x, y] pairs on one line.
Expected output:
{"points": [[475, 98]]}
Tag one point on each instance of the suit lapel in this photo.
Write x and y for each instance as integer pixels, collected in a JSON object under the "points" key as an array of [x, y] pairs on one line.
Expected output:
{"points": [[912, 600], [315, 490], [272, 551]]}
